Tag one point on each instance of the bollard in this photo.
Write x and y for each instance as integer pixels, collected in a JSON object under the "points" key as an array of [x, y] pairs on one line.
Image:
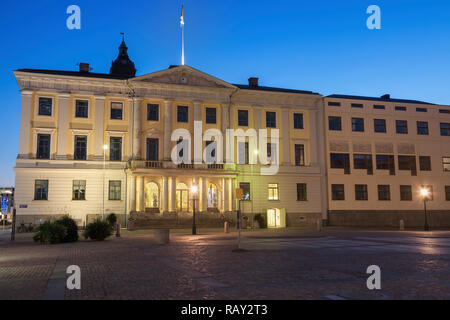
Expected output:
{"points": [[402, 225], [162, 236], [226, 227], [118, 227], [319, 225]]}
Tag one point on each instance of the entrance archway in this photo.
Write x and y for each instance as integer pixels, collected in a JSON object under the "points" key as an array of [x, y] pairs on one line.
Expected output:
{"points": [[151, 195], [213, 196], [182, 197]]}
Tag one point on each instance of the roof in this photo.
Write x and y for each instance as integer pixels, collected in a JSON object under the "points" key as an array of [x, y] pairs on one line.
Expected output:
{"points": [[261, 88], [341, 96], [75, 74]]}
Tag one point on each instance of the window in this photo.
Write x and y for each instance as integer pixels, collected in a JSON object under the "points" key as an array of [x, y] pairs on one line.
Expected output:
{"points": [[446, 163], [116, 110], [382, 162], [357, 105], [358, 124], [273, 191], [153, 112], [379, 125], [299, 155], [243, 153], [271, 119], [405, 193], [430, 191], [337, 192], [334, 104], [115, 190], [245, 186], [298, 120], [362, 161], [422, 127], [379, 107], [271, 152], [425, 163], [334, 123], [115, 149], [183, 114], [406, 162], [211, 115], [399, 108], [43, 146], [82, 109], [41, 190], [243, 118], [80, 146], [444, 111], [302, 192], [45, 106], [447, 193], [79, 190], [445, 129], [421, 110], [338, 160], [401, 126], [361, 192], [384, 192], [152, 150]]}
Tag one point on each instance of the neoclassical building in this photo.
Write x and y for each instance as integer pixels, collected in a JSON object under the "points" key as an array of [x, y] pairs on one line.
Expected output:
{"points": [[94, 144]]}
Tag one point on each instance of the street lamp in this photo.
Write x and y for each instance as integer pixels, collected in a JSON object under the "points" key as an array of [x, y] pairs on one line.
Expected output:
{"points": [[194, 190], [105, 147], [424, 192]]}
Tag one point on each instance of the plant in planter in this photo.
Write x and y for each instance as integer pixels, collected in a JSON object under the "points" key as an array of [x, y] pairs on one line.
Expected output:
{"points": [[112, 220], [259, 218], [50, 233], [71, 229], [98, 230]]}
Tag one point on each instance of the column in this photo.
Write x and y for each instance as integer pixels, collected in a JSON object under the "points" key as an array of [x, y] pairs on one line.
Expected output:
{"points": [[173, 195], [167, 129], [197, 144], [165, 195], [137, 125], [99, 129], [314, 139], [25, 125], [63, 126], [132, 197], [203, 195], [225, 126], [285, 138], [226, 195], [231, 181], [140, 194], [197, 110]]}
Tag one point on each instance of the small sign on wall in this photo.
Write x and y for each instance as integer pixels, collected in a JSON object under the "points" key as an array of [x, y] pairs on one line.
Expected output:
{"points": [[23, 206]]}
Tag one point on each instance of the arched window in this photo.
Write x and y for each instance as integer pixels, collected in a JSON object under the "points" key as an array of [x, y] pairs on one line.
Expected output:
{"points": [[151, 195], [182, 197], [213, 196]]}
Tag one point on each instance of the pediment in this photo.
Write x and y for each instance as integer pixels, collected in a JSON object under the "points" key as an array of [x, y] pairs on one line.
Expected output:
{"points": [[183, 75]]}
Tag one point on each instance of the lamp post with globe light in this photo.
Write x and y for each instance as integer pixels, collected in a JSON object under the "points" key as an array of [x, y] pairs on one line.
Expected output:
{"points": [[425, 193], [194, 190]]}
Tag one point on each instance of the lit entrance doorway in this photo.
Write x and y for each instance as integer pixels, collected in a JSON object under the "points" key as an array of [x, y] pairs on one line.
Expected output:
{"points": [[182, 197], [151, 197], [213, 196]]}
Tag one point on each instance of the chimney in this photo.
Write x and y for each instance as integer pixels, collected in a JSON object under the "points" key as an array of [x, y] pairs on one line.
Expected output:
{"points": [[253, 82], [386, 96], [84, 67]]}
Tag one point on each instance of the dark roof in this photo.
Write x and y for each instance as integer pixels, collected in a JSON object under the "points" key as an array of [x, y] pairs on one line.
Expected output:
{"points": [[76, 74], [261, 88], [342, 96]]}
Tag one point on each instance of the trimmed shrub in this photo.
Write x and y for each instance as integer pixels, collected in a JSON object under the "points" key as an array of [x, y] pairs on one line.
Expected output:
{"points": [[98, 230], [50, 233], [112, 220], [71, 227], [261, 221]]}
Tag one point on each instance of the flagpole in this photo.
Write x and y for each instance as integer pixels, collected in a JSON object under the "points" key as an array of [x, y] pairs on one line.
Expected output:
{"points": [[182, 34]]}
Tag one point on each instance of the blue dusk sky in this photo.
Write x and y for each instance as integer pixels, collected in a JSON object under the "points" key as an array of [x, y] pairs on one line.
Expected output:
{"points": [[323, 46]]}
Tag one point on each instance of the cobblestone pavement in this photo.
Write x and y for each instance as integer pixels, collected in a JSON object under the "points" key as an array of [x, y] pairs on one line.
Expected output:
{"points": [[277, 265]]}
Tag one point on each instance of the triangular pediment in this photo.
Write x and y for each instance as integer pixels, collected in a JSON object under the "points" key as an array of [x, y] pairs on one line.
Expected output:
{"points": [[183, 75]]}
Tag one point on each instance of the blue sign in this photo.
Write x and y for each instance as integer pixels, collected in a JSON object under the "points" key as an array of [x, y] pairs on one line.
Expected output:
{"points": [[4, 204]]}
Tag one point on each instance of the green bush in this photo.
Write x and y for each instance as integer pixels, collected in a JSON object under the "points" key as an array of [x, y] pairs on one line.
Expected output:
{"points": [[50, 233], [112, 220], [261, 221], [98, 230], [71, 227]]}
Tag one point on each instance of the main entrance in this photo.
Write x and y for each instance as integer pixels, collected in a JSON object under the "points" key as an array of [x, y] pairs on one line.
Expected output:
{"points": [[182, 197]]}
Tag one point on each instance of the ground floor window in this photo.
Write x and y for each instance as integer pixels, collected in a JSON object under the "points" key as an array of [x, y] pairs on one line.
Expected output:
{"points": [[41, 190], [447, 193], [115, 190], [79, 190], [182, 197], [384, 193], [213, 199], [151, 195], [301, 192], [245, 186], [361, 192], [337, 192], [405, 193], [274, 193], [430, 191]]}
